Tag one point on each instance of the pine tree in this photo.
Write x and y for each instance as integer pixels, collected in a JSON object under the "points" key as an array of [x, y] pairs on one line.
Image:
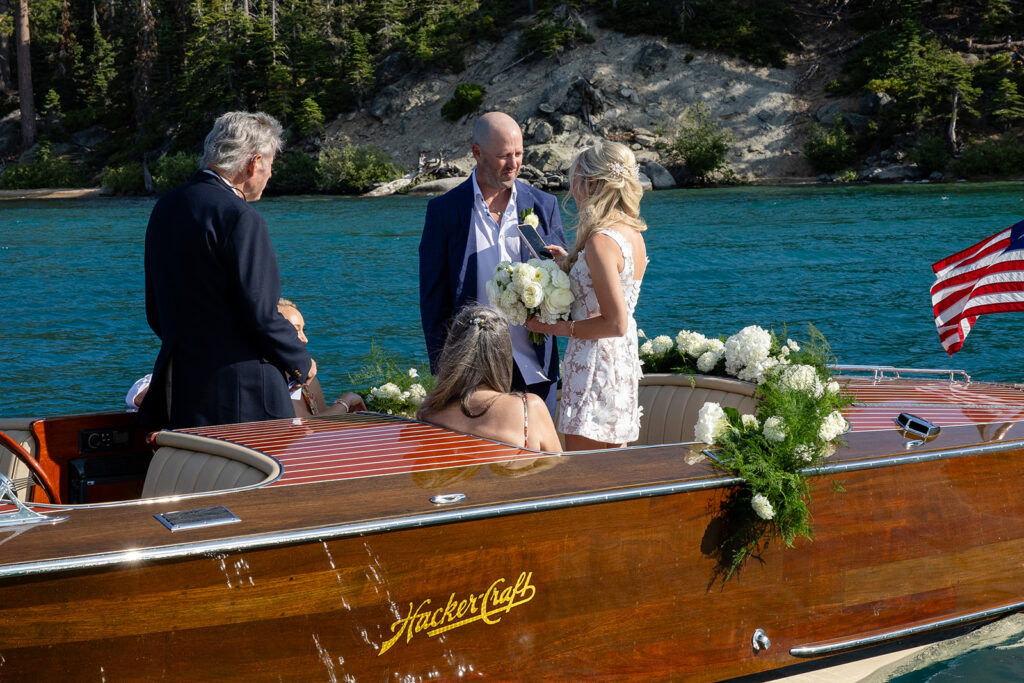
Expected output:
{"points": [[360, 65], [1008, 104]]}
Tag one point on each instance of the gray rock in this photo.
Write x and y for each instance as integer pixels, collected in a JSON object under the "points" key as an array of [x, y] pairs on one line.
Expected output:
{"points": [[653, 58], [645, 140], [546, 108], [543, 132], [635, 146], [827, 113], [530, 172], [391, 68], [825, 178], [645, 155], [386, 104], [437, 186], [936, 175], [645, 183], [549, 159], [872, 103], [857, 123], [566, 124], [889, 173], [765, 116], [90, 137], [660, 178]]}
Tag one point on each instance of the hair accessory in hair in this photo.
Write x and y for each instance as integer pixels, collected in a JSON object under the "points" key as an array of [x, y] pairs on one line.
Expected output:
{"points": [[475, 321], [623, 171]]}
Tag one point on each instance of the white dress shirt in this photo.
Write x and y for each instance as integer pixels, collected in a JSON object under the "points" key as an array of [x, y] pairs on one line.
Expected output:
{"points": [[493, 242]]}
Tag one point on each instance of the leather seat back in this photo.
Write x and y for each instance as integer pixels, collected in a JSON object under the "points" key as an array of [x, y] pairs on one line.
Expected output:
{"points": [[19, 429], [185, 463], [671, 404]]}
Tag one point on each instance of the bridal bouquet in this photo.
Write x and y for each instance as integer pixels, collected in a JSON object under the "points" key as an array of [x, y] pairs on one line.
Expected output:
{"points": [[535, 288]]}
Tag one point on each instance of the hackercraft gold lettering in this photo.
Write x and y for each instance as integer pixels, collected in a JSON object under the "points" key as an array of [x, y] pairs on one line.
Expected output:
{"points": [[489, 607]]}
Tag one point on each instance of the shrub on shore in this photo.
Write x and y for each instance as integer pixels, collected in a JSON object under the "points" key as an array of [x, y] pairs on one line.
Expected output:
{"points": [[467, 98], [830, 150], [354, 169], [1003, 157], [294, 173], [173, 170], [45, 170], [124, 179], [701, 145]]}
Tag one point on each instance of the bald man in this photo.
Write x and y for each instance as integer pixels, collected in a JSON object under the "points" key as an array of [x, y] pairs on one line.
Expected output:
{"points": [[473, 227]]}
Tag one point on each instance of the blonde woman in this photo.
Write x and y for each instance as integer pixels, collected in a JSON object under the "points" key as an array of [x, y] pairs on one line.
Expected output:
{"points": [[474, 380], [600, 371]]}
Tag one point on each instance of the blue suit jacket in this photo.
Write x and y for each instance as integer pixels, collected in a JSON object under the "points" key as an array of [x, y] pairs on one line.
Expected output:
{"points": [[443, 250], [212, 285]]}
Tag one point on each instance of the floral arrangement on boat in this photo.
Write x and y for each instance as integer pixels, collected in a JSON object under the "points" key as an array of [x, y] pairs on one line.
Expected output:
{"points": [[797, 426], [391, 389]]}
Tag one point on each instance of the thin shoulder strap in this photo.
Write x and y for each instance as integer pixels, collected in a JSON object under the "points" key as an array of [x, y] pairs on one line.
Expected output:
{"points": [[526, 423]]}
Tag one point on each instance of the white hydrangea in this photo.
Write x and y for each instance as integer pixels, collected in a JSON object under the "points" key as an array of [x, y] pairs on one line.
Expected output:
{"points": [[647, 348], [799, 378], [711, 423], [388, 390], [762, 506], [416, 394], [662, 344], [708, 360], [832, 426], [691, 343], [774, 429], [748, 347], [523, 274], [750, 421]]}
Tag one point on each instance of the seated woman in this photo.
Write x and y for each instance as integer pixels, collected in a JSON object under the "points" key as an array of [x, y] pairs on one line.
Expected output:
{"points": [[474, 379], [308, 398]]}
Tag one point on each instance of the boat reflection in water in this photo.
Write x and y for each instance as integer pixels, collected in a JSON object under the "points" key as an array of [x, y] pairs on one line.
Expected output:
{"points": [[369, 547]]}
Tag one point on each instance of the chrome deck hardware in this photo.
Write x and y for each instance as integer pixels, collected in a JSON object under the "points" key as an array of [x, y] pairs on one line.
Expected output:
{"points": [[891, 372], [918, 426], [24, 515], [760, 640]]}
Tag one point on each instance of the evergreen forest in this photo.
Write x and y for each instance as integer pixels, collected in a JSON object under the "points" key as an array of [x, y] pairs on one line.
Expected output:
{"points": [[154, 73]]}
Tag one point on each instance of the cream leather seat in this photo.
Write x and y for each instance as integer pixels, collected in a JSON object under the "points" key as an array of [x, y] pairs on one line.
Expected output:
{"points": [[671, 404], [185, 463], [19, 429]]}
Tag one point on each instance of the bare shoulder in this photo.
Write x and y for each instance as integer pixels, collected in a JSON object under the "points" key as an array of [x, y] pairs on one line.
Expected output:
{"points": [[537, 407]]}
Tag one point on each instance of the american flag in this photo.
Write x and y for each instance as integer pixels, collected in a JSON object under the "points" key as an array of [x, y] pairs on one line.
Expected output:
{"points": [[985, 278]]}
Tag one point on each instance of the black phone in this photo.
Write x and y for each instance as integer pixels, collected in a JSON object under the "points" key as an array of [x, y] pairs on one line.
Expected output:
{"points": [[534, 241]]}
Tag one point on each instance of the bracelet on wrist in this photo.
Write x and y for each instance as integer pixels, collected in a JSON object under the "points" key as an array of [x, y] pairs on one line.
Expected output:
{"points": [[343, 402], [572, 328]]}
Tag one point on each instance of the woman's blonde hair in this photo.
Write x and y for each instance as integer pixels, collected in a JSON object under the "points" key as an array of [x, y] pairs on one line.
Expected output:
{"points": [[478, 352], [611, 192]]}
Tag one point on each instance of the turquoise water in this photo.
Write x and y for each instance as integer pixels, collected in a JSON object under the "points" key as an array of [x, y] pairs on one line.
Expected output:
{"points": [[855, 261]]}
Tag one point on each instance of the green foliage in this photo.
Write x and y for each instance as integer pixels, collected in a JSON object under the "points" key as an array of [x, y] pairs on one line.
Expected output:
{"points": [[701, 145], [551, 32], [467, 98], [759, 31], [125, 179], [830, 150], [388, 388], [847, 176], [310, 118], [44, 170], [991, 158], [797, 426], [173, 170], [930, 154], [294, 173], [355, 169]]}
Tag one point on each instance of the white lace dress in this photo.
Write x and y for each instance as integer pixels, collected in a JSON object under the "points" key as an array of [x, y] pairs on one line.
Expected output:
{"points": [[600, 376]]}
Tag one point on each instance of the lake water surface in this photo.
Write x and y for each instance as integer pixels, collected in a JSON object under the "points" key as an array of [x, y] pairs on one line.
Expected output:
{"points": [[853, 260]]}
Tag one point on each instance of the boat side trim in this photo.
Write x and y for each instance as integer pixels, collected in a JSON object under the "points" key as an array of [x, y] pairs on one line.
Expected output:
{"points": [[262, 541], [833, 648]]}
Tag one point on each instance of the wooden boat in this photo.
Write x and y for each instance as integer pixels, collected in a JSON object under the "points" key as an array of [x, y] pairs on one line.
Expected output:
{"points": [[376, 548]]}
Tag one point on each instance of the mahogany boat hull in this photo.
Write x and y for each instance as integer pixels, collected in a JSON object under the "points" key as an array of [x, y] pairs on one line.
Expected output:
{"points": [[605, 583]]}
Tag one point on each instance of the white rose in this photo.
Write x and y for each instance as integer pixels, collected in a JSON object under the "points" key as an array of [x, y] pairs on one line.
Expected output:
{"points": [[762, 506], [832, 387], [522, 275], [414, 373], [561, 299], [503, 273], [533, 295], [494, 291], [559, 279], [792, 345], [532, 220], [711, 423], [774, 429]]}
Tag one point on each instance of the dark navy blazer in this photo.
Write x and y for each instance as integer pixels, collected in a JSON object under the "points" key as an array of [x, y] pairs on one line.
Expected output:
{"points": [[212, 285], [443, 250]]}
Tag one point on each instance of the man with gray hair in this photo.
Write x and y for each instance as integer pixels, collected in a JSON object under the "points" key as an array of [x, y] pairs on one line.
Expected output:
{"points": [[212, 284]]}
